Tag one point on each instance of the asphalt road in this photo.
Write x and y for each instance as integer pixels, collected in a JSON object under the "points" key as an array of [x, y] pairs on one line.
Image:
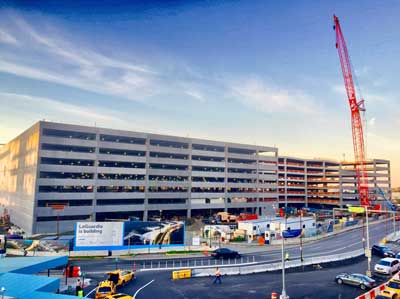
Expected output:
{"points": [[341, 243], [308, 283]]}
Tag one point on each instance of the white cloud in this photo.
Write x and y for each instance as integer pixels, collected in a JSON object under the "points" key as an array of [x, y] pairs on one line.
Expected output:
{"points": [[59, 61], [364, 71], [339, 89], [7, 38], [371, 122], [261, 95], [52, 105]]}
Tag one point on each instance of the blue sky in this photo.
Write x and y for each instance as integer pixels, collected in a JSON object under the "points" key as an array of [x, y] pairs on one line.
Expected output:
{"points": [[258, 72]]}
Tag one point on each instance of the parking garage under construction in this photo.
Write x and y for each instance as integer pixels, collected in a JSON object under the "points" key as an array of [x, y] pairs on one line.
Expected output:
{"points": [[65, 173]]}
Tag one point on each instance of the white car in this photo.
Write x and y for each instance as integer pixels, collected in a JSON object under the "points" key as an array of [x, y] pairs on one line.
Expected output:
{"points": [[388, 265]]}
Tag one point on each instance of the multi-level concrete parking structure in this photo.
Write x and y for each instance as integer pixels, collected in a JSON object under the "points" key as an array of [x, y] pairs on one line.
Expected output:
{"points": [[325, 182], [102, 174], [99, 174]]}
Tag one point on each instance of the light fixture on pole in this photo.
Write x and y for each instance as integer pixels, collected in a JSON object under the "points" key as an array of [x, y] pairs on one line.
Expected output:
{"points": [[368, 249], [286, 234], [3, 290]]}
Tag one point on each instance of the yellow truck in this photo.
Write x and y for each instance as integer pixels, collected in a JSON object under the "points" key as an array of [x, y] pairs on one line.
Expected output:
{"points": [[120, 277], [114, 279]]}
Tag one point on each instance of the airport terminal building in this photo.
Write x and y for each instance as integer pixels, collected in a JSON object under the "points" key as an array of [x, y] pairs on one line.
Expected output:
{"points": [[61, 173]]}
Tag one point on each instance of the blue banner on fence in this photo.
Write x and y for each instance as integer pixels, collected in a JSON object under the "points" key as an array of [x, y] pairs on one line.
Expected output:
{"points": [[291, 233]]}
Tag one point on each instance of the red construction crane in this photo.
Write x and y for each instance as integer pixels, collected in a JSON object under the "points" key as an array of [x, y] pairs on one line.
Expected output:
{"points": [[355, 107]]}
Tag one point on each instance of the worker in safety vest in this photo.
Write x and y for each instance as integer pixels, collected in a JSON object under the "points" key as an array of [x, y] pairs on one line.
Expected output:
{"points": [[217, 276]]}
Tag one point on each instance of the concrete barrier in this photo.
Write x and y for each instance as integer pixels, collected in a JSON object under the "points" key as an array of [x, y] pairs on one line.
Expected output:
{"points": [[269, 267], [372, 293]]}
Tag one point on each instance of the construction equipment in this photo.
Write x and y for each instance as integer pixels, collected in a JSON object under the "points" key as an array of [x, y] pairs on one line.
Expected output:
{"points": [[355, 107], [391, 205]]}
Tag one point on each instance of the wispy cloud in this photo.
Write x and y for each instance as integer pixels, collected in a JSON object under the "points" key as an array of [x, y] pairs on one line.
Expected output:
{"points": [[262, 95], [57, 106], [7, 38], [73, 65], [49, 57]]}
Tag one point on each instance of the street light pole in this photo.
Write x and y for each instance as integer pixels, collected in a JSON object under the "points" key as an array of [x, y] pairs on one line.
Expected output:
{"points": [[368, 249], [283, 295], [301, 237]]}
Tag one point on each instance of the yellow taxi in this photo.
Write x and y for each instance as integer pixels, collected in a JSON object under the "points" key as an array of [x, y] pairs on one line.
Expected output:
{"points": [[120, 277], [393, 285], [386, 294], [105, 288], [119, 296]]}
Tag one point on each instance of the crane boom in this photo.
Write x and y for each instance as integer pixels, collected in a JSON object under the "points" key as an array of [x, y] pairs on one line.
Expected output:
{"points": [[355, 108]]}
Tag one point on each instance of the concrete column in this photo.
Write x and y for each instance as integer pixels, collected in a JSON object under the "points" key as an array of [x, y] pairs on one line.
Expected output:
{"points": [[340, 186], [258, 205], [305, 184], [189, 199], [146, 180], [96, 174], [226, 179]]}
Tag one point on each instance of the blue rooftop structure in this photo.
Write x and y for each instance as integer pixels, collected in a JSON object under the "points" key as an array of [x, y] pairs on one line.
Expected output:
{"points": [[16, 278], [31, 265]]}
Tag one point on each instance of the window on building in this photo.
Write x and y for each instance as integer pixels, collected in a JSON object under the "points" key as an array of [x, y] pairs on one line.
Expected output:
{"points": [[121, 164], [62, 218], [66, 189], [122, 139], [66, 175], [167, 189], [165, 143], [210, 148], [120, 152], [208, 179], [209, 169], [242, 151], [168, 166], [120, 201], [118, 176], [57, 161], [67, 148], [153, 201], [69, 202], [120, 189], [168, 178], [69, 134], [168, 155], [208, 158]]}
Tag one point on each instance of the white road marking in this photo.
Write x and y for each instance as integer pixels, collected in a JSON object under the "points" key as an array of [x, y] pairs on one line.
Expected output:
{"points": [[90, 292], [141, 288]]}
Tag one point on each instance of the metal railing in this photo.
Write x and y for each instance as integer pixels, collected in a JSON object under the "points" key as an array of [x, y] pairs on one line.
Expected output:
{"points": [[195, 263]]}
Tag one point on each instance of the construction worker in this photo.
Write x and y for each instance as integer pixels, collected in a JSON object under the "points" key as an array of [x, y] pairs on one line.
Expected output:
{"points": [[287, 256], [80, 293], [217, 276]]}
